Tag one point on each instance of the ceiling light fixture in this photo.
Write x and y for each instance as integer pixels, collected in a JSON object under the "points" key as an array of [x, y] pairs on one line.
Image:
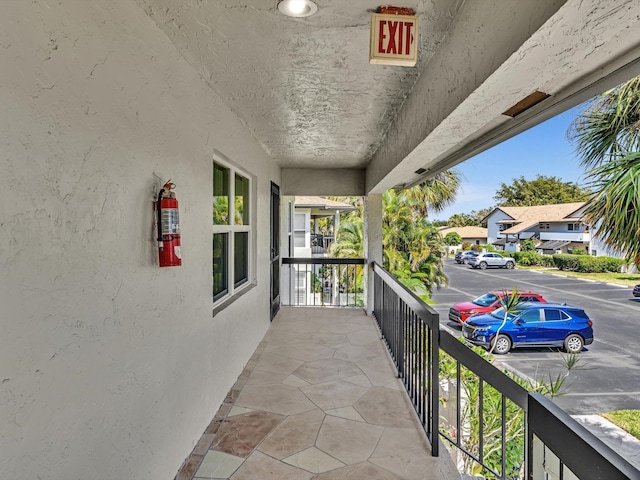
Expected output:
{"points": [[297, 8]]}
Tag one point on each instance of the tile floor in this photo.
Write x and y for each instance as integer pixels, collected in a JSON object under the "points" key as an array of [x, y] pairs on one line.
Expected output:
{"points": [[318, 400]]}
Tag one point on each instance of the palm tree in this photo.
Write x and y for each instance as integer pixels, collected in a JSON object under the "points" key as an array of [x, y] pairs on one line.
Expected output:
{"points": [[435, 194], [617, 203], [607, 135], [349, 238], [510, 306], [609, 128], [413, 249]]}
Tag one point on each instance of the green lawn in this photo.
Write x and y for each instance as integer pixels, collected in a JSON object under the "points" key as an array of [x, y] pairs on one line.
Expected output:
{"points": [[628, 420]]}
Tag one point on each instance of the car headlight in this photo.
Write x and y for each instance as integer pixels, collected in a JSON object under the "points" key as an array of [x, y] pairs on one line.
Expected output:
{"points": [[483, 329]]}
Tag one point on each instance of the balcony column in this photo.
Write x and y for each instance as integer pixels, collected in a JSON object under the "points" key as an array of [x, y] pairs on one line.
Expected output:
{"points": [[372, 242]]}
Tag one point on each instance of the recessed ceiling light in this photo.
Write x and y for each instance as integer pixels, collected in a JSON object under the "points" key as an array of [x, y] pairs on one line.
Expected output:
{"points": [[297, 8]]}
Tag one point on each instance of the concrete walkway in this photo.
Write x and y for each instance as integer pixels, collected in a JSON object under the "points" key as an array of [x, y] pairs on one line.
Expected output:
{"points": [[318, 400], [624, 444]]}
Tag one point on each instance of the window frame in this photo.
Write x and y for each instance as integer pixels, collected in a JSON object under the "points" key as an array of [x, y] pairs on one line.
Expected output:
{"points": [[234, 289], [573, 227]]}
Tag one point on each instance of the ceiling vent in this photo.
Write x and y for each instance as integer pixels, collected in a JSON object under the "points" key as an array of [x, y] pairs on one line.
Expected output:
{"points": [[526, 103]]}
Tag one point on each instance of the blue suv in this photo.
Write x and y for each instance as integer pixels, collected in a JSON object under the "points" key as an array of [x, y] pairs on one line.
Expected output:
{"points": [[532, 325]]}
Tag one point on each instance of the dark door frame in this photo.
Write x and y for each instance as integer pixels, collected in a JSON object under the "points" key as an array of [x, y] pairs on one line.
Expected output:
{"points": [[274, 254]]}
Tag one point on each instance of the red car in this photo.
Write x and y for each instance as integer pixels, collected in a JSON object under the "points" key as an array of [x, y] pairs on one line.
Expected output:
{"points": [[487, 303]]}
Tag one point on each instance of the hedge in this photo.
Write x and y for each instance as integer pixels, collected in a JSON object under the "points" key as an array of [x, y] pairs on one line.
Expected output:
{"points": [[530, 258], [587, 263]]}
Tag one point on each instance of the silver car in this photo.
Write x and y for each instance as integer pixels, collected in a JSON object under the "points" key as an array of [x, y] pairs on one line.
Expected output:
{"points": [[487, 259]]}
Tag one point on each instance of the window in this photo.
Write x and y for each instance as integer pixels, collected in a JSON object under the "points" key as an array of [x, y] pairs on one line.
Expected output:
{"points": [[526, 298], [552, 315], [299, 230], [530, 316], [231, 230], [574, 227]]}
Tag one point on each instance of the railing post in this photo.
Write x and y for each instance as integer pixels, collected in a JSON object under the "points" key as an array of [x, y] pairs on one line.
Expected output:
{"points": [[434, 410], [400, 329]]}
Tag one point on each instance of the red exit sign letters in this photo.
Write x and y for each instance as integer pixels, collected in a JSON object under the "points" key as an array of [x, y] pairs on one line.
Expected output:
{"points": [[393, 40]]}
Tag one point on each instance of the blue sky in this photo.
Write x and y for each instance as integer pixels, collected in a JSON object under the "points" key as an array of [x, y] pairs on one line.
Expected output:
{"points": [[542, 150]]}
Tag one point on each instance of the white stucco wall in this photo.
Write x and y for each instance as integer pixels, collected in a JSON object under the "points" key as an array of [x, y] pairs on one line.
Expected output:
{"points": [[111, 367], [493, 230]]}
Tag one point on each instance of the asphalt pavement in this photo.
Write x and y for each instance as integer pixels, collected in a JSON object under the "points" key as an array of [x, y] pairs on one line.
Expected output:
{"points": [[608, 374]]}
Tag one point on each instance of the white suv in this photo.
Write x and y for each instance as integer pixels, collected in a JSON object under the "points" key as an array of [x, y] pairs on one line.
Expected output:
{"points": [[484, 260]]}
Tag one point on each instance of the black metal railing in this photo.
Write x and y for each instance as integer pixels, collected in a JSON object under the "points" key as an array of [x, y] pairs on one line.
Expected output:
{"points": [[559, 447], [486, 416], [323, 282], [321, 241], [496, 427], [410, 331]]}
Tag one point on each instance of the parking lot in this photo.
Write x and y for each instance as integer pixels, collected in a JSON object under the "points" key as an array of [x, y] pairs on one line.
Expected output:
{"points": [[608, 374]]}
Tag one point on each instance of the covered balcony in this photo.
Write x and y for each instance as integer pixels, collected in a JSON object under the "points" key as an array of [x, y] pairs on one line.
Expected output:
{"points": [[114, 362], [335, 393], [320, 398]]}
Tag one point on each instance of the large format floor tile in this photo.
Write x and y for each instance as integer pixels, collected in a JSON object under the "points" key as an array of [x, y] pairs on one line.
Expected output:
{"points": [[318, 400]]}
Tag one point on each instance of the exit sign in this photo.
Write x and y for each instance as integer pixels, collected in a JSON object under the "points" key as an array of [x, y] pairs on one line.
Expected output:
{"points": [[394, 40]]}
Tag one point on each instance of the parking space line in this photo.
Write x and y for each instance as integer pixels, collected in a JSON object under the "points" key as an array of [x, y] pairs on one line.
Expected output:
{"points": [[599, 394]]}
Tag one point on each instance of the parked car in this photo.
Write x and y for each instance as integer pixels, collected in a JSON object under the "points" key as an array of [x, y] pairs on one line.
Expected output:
{"points": [[636, 291], [484, 260], [464, 255], [487, 303], [533, 325]]}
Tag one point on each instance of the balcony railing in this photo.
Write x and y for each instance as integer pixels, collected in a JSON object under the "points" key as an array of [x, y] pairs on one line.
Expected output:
{"points": [[319, 240], [531, 438], [337, 282], [410, 330]]}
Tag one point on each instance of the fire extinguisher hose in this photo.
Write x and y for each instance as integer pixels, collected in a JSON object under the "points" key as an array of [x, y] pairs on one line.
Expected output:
{"points": [[159, 213]]}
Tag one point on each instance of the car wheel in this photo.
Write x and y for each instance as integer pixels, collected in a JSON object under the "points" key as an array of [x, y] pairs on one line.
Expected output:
{"points": [[509, 265], [573, 343], [483, 265], [501, 344]]}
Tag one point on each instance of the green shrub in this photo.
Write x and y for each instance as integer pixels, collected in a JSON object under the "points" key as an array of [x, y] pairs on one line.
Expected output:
{"points": [[579, 251], [486, 247], [566, 262], [452, 238], [527, 245], [587, 263], [529, 259], [466, 245]]}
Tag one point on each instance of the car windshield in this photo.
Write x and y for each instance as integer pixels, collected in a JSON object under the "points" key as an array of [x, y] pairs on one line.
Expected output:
{"points": [[499, 314], [485, 300]]}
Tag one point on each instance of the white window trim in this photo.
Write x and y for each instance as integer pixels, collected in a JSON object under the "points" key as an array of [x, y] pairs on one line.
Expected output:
{"points": [[232, 291]]}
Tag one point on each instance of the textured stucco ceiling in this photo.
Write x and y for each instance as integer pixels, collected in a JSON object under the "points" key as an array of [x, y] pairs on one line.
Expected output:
{"points": [[306, 91], [304, 86]]}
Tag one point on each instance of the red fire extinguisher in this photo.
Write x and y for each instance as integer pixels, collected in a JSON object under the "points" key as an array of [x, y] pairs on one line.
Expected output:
{"points": [[168, 223]]}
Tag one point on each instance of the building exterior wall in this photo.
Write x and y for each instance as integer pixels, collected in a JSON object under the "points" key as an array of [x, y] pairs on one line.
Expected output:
{"points": [[565, 236], [493, 231], [111, 367]]}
